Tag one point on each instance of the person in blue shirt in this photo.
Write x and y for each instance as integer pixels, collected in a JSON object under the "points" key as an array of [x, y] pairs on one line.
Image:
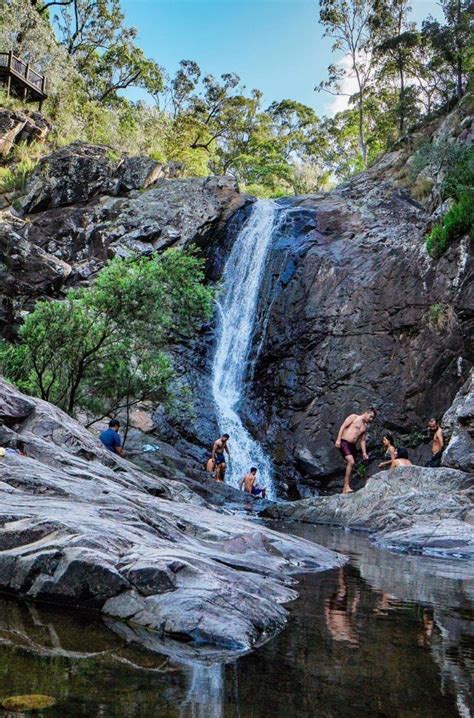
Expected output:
{"points": [[111, 437]]}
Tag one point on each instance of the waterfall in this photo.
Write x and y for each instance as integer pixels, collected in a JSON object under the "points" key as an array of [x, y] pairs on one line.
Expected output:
{"points": [[205, 694], [242, 279]]}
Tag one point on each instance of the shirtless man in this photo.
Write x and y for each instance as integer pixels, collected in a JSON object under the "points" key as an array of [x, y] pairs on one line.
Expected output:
{"points": [[401, 459], [218, 456], [248, 484], [437, 444], [353, 430]]}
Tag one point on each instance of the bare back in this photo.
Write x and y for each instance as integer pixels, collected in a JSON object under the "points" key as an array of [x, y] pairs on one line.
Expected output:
{"points": [[398, 463], [355, 427], [248, 482]]}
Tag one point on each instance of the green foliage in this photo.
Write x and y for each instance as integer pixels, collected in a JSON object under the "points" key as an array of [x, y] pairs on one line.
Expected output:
{"points": [[210, 124], [415, 438], [453, 161], [15, 177], [438, 316], [458, 221], [437, 241], [361, 470], [105, 348]]}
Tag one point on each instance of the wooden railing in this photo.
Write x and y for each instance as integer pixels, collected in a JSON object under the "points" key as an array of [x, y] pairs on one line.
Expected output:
{"points": [[17, 67]]}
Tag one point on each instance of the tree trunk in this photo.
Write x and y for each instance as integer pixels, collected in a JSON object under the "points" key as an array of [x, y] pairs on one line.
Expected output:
{"points": [[459, 51], [363, 147], [402, 100]]}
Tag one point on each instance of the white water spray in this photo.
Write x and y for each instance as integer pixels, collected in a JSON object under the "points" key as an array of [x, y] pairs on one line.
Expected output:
{"points": [[242, 279]]}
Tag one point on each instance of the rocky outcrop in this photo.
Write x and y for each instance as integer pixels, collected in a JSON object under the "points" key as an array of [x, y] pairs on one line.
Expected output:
{"points": [[413, 509], [16, 127], [82, 527], [78, 172], [458, 426], [85, 204]]}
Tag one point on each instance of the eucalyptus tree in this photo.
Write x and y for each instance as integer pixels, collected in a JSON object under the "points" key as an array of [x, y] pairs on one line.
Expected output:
{"points": [[348, 24]]}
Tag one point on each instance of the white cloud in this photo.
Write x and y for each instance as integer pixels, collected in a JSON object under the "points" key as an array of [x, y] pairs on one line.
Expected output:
{"points": [[339, 103]]}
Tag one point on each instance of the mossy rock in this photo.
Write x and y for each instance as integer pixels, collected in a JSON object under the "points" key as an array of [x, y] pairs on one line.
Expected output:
{"points": [[32, 702]]}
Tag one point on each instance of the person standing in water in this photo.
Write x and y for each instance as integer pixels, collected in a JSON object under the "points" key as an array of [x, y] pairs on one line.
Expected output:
{"points": [[249, 485], [219, 450], [353, 429], [437, 444], [390, 450]]}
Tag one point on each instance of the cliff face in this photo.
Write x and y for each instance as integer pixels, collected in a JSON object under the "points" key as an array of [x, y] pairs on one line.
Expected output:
{"points": [[353, 312], [356, 314]]}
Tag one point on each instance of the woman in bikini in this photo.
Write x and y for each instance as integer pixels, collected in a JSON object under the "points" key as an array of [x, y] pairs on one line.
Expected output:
{"points": [[390, 450]]}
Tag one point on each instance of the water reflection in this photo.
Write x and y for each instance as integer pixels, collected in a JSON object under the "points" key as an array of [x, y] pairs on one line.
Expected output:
{"points": [[387, 635], [340, 612]]}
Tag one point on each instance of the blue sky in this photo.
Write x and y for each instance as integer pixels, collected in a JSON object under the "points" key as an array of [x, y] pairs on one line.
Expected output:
{"points": [[273, 45]]}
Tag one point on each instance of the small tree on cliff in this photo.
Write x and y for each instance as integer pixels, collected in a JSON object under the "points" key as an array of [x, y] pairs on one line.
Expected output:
{"points": [[104, 349]]}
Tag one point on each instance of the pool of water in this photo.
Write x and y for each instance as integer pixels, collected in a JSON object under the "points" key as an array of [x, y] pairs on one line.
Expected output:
{"points": [[386, 636]]}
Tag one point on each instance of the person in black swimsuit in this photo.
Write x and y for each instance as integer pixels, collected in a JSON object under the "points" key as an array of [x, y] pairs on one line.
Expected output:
{"points": [[218, 455]]}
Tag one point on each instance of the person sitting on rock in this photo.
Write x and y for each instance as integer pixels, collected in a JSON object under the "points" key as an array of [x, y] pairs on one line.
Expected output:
{"points": [[437, 444], [390, 450], [111, 438], [248, 484], [401, 459], [352, 430], [219, 450]]}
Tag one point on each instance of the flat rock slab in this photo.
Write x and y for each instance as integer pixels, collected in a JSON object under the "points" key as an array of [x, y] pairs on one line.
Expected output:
{"points": [[82, 527], [413, 509]]}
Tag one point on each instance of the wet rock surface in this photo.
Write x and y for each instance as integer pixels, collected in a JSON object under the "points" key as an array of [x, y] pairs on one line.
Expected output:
{"points": [[347, 321], [84, 528], [413, 509]]}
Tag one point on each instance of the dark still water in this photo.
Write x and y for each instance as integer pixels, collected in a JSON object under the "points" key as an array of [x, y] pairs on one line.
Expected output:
{"points": [[388, 635]]}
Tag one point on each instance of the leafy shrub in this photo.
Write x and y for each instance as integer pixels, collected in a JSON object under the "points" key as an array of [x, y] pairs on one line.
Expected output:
{"points": [[104, 348], [437, 241], [14, 178], [457, 221], [443, 156], [415, 438]]}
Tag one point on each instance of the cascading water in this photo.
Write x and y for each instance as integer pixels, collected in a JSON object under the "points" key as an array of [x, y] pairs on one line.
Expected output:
{"points": [[242, 280]]}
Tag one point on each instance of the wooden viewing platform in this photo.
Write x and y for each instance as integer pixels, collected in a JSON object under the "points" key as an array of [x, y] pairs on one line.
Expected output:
{"points": [[21, 80]]}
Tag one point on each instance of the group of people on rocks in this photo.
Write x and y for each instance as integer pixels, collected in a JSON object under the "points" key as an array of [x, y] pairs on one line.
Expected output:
{"points": [[353, 430], [217, 466], [352, 433]]}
